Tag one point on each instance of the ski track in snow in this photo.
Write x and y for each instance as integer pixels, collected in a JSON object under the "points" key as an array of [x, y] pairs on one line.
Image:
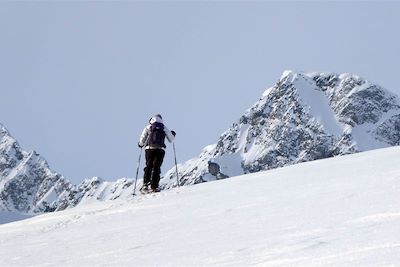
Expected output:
{"points": [[343, 211]]}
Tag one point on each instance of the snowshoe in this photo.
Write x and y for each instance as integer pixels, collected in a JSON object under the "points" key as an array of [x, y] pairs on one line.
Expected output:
{"points": [[145, 189], [155, 190]]}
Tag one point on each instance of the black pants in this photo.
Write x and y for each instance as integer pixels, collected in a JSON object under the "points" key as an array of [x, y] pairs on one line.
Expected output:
{"points": [[154, 160]]}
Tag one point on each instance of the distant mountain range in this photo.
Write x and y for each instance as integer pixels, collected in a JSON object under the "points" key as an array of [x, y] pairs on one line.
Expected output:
{"points": [[29, 186], [303, 117]]}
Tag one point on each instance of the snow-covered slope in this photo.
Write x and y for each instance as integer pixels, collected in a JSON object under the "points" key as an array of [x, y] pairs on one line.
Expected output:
{"points": [[304, 117], [342, 211]]}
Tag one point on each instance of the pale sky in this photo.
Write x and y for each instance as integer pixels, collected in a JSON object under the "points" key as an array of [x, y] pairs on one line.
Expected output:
{"points": [[79, 80]]}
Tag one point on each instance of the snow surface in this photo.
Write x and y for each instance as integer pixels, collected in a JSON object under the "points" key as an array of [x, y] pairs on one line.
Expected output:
{"points": [[343, 211], [318, 104]]}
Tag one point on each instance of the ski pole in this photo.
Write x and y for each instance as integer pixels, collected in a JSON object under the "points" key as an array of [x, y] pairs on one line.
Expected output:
{"points": [[176, 165], [137, 170]]}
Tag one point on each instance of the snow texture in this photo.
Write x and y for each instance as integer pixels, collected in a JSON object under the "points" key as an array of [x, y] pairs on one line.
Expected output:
{"points": [[342, 211]]}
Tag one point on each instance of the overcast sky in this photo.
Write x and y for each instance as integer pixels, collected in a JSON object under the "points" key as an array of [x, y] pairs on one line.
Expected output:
{"points": [[79, 80]]}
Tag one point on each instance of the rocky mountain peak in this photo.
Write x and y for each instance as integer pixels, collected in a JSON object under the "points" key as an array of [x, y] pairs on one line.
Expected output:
{"points": [[27, 184], [303, 117]]}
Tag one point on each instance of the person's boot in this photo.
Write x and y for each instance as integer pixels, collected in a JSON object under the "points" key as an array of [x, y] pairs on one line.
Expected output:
{"points": [[155, 190], [145, 189]]}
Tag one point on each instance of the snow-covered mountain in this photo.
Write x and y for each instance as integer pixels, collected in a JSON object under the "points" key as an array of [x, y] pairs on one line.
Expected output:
{"points": [[304, 117], [29, 186], [342, 211]]}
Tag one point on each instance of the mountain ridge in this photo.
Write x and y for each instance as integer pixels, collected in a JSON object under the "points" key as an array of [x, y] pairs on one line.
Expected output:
{"points": [[303, 117], [28, 185]]}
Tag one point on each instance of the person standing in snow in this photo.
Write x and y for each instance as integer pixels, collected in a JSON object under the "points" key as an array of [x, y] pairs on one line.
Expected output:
{"points": [[153, 139]]}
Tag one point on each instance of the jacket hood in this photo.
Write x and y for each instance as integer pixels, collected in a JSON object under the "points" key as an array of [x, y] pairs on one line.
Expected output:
{"points": [[156, 119]]}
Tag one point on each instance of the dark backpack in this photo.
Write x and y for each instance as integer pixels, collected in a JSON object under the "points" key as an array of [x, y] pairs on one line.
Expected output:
{"points": [[157, 135]]}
